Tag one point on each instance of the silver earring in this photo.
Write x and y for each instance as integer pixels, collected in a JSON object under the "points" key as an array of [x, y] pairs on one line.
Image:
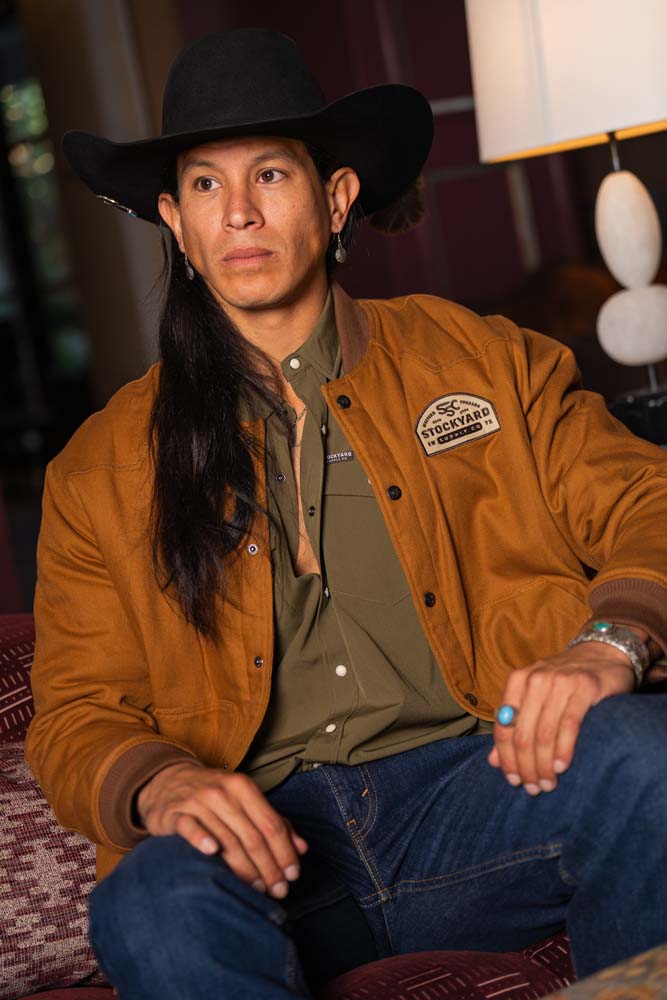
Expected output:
{"points": [[189, 271], [340, 252]]}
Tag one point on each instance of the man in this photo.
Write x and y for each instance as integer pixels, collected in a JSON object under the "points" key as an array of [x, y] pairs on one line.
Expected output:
{"points": [[287, 579]]}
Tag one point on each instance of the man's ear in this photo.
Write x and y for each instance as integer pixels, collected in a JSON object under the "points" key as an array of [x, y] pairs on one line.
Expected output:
{"points": [[171, 214], [343, 190]]}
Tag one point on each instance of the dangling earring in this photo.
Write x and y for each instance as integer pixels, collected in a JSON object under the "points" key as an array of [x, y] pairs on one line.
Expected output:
{"points": [[340, 253], [189, 271]]}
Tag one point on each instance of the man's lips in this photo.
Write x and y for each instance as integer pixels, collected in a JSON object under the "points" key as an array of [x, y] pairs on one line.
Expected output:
{"points": [[246, 254]]}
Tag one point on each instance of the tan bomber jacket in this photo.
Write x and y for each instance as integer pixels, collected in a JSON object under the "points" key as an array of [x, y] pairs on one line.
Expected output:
{"points": [[510, 480]]}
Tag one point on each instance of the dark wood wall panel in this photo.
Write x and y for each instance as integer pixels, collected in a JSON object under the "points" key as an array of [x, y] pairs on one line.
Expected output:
{"points": [[436, 43], [482, 246], [554, 204], [454, 142]]}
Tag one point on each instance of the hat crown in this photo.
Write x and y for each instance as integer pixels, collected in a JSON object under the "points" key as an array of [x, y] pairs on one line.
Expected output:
{"points": [[237, 77]]}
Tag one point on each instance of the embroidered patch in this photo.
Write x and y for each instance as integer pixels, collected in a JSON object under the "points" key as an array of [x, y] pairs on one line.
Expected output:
{"points": [[455, 419], [340, 456]]}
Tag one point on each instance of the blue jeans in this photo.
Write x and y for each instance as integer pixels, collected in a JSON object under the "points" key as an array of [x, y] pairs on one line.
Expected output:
{"points": [[427, 849]]}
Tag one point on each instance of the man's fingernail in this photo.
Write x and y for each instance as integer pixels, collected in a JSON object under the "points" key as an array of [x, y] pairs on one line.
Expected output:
{"points": [[559, 766], [292, 873], [532, 789], [513, 779], [546, 785], [259, 885], [208, 845], [279, 890]]}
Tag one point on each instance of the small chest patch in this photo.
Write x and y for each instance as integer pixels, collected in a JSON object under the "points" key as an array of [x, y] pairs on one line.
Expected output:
{"points": [[455, 419], [340, 456]]}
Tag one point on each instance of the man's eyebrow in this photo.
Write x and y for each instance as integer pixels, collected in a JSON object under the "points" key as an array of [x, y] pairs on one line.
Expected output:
{"points": [[199, 163], [274, 154], [271, 154]]}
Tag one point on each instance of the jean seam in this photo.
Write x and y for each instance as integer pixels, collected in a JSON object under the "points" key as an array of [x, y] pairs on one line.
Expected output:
{"points": [[291, 971], [372, 814], [360, 847], [370, 863], [383, 894], [545, 852], [569, 880], [358, 843]]}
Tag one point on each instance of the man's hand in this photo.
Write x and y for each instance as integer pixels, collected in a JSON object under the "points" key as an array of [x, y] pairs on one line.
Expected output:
{"points": [[553, 696], [215, 811]]}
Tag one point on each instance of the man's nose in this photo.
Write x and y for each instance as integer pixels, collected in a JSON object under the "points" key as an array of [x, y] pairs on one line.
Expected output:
{"points": [[241, 210]]}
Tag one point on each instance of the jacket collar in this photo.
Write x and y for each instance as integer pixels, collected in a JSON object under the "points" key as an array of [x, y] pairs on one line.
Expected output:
{"points": [[353, 328]]}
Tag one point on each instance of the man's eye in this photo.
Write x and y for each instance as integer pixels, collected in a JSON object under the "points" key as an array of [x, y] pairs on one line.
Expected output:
{"points": [[205, 184], [271, 175]]}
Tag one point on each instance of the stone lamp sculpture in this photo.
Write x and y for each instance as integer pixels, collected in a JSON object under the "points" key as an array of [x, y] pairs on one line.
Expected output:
{"points": [[552, 75], [632, 324]]}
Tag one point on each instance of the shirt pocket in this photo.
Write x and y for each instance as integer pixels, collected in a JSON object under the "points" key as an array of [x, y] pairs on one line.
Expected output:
{"points": [[357, 554]]}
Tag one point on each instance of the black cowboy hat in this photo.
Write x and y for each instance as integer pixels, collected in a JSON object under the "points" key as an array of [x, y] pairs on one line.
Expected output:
{"points": [[254, 82]]}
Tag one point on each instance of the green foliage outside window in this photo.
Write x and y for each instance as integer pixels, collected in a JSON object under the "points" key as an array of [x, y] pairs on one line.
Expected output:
{"points": [[32, 159]]}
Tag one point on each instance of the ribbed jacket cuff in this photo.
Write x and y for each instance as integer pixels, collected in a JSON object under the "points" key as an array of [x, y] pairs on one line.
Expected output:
{"points": [[125, 778], [630, 601]]}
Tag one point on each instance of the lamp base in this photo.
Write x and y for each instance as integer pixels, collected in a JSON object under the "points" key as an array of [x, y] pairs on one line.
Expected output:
{"points": [[644, 412]]}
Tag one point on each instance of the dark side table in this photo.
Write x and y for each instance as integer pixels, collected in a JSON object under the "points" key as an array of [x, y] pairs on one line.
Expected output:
{"points": [[644, 412]]}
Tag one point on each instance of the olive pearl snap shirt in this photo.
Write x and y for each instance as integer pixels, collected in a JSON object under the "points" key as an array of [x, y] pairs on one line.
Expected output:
{"points": [[354, 678]]}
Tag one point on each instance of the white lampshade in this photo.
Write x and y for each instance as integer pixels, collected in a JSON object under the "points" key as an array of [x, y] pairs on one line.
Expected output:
{"points": [[563, 73]]}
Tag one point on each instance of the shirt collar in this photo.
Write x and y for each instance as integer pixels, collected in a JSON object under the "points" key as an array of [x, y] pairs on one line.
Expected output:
{"points": [[321, 350]]}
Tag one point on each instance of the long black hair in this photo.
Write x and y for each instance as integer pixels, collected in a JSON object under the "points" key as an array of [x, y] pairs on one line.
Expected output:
{"points": [[205, 484]]}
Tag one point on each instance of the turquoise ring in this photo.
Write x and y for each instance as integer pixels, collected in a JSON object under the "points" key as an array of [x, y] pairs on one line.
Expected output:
{"points": [[507, 715]]}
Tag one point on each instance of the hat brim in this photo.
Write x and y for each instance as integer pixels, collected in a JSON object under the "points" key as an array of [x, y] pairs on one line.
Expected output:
{"points": [[384, 133]]}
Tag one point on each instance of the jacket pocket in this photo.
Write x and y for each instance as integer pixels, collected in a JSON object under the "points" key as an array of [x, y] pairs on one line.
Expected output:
{"points": [[534, 621], [209, 732]]}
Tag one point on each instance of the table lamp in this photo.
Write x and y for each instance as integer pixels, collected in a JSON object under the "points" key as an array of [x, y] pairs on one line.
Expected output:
{"points": [[553, 75]]}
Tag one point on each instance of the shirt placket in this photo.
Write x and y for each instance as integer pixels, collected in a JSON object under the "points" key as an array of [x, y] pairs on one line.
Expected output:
{"points": [[325, 743]]}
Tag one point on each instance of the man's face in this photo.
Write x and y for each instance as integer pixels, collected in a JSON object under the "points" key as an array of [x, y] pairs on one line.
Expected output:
{"points": [[254, 218]]}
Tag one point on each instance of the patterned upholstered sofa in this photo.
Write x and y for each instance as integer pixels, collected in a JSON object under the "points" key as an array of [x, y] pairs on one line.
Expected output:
{"points": [[46, 874]]}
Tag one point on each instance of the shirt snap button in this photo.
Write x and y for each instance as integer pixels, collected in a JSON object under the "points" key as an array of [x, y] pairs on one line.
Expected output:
{"points": [[311, 511], [281, 477], [259, 661], [395, 492], [344, 402], [331, 728], [341, 670], [429, 599], [294, 363], [253, 549]]}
